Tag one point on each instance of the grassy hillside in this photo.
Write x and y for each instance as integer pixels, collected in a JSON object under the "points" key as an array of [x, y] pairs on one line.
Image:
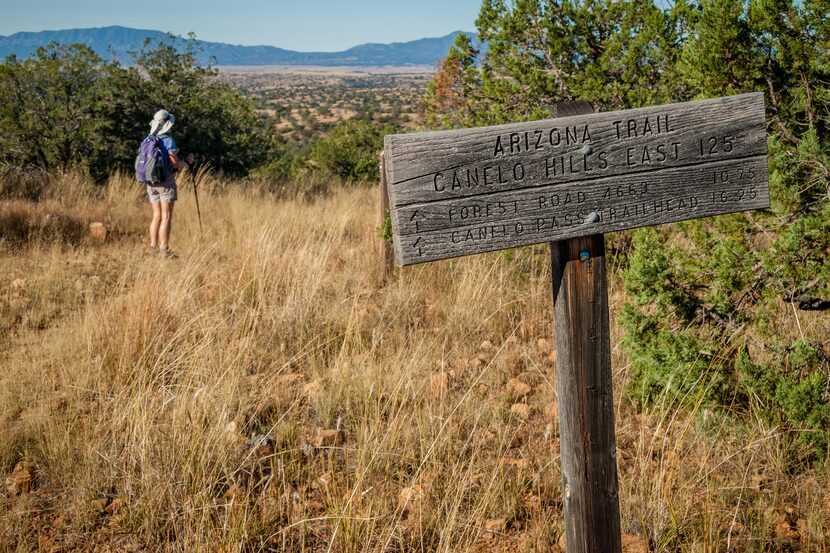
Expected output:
{"points": [[264, 391]]}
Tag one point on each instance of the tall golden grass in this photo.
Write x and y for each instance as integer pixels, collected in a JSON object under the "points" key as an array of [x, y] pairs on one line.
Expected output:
{"points": [[264, 391]]}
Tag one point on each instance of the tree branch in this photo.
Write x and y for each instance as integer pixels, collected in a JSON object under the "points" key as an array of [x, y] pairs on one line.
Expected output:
{"points": [[784, 130], [811, 116]]}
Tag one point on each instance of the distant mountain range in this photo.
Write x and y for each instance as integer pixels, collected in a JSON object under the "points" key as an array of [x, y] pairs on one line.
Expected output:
{"points": [[117, 42]]}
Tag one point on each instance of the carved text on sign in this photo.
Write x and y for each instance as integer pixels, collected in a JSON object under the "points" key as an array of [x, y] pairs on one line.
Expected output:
{"points": [[461, 192]]}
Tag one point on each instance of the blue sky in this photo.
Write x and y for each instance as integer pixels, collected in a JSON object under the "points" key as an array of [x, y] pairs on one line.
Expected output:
{"points": [[304, 25]]}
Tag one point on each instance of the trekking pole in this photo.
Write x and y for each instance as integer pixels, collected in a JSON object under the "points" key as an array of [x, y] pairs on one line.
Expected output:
{"points": [[196, 195]]}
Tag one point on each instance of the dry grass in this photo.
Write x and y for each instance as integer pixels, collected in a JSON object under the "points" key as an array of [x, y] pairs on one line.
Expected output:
{"points": [[264, 392]]}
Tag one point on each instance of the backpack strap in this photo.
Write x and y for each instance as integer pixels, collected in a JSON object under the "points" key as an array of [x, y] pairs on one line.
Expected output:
{"points": [[165, 154]]}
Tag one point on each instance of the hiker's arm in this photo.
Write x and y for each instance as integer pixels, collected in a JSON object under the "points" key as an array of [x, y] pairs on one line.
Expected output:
{"points": [[174, 161]]}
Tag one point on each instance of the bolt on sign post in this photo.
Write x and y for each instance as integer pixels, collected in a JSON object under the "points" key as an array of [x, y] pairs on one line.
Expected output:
{"points": [[567, 181]]}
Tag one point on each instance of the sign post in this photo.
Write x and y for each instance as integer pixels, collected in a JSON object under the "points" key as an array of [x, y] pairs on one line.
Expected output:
{"points": [[567, 181], [588, 458], [386, 253]]}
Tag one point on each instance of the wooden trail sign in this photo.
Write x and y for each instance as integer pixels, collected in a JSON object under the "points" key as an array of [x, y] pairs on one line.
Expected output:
{"points": [[571, 179], [468, 191]]}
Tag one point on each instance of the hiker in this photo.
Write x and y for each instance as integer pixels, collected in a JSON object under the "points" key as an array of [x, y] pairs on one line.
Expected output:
{"points": [[163, 195]]}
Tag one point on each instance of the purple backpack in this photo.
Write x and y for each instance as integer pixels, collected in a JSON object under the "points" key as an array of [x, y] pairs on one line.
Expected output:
{"points": [[152, 165]]}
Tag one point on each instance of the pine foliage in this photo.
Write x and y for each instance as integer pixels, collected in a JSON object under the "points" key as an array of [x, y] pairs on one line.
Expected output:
{"points": [[714, 305]]}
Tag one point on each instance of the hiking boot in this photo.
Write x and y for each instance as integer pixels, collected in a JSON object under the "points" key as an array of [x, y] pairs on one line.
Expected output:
{"points": [[167, 252]]}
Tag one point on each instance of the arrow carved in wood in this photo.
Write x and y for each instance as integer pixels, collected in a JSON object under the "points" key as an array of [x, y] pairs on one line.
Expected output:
{"points": [[415, 245], [417, 221]]}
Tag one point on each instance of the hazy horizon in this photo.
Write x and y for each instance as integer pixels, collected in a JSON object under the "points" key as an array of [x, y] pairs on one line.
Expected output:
{"points": [[233, 43], [324, 26]]}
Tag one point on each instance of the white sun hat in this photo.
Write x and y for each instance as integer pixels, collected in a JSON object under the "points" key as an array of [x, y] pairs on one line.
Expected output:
{"points": [[162, 122]]}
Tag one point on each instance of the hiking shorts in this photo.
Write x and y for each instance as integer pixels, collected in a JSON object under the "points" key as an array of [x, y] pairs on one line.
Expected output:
{"points": [[162, 194]]}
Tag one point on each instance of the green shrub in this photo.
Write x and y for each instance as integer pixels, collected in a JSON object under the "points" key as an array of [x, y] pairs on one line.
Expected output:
{"points": [[713, 304], [66, 109], [350, 151]]}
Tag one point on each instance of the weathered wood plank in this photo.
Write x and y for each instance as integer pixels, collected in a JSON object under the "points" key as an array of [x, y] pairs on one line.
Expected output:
{"points": [[421, 166], [709, 155], [585, 392], [432, 231], [583, 386], [386, 251]]}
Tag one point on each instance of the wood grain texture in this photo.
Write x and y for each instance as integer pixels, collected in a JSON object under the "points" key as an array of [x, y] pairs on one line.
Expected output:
{"points": [[474, 225], [386, 250], [463, 192], [585, 398], [584, 390]]}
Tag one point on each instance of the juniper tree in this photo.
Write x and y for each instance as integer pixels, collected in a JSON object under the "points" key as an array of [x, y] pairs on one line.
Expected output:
{"points": [[66, 108], [711, 303], [748, 276], [538, 52], [350, 151], [49, 107], [213, 119]]}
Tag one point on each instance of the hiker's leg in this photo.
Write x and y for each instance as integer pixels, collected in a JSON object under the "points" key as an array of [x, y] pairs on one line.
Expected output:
{"points": [[154, 225], [166, 224]]}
